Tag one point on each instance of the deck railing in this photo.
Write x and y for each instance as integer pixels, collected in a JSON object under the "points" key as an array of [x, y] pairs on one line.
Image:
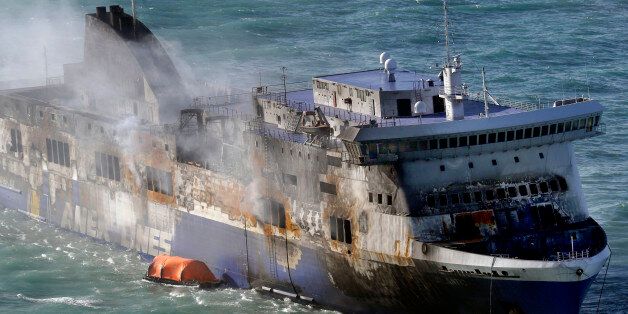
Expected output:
{"points": [[564, 256]]}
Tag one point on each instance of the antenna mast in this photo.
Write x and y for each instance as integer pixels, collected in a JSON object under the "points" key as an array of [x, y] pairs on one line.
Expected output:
{"points": [[283, 77], [134, 18], [485, 92], [446, 32]]}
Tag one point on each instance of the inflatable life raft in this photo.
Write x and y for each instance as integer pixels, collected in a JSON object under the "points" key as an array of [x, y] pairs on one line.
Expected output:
{"points": [[177, 270]]}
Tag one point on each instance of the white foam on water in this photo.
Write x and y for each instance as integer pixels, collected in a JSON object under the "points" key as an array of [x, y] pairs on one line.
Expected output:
{"points": [[80, 302], [110, 261]]}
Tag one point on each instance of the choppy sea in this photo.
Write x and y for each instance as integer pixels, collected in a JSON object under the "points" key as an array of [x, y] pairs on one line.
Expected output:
{"points": [[532, 50]]}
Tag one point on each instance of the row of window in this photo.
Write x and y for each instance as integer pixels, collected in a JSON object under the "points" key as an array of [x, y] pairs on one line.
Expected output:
{"points": [[107, 166], [16, 141], [380, 198], [158, 181], [493, 162], [340, 229], [58, 152], [481, 139], [558, 184], [322, 85]]}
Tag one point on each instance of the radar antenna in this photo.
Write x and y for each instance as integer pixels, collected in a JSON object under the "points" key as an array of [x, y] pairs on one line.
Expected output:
{"points": [[134, 17]]}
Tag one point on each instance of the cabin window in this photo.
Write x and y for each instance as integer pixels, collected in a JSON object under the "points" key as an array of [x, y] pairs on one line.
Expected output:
{"points": [[544, 187], [512, 191], [455, 199], [442, 167], [478, 196], [470, 165], [482, 139], [516, 159], [534, 190], [462, 141], [552, 129], [597, 121], [510, 135], [528, 133], [333, 161], [107, 166], [494, 162], [541, 156], [158, 181], [58, 152], [442, 199], [370, 197], [554, 185], [431, 200], [466, 197], [379, 199], [501, 193], [544, 130], [523, 190], [563, 183], [423, 145], [16, 141], [327, 188], [582, 124], [389, 199], [568, 126], [442, 143], [560, 128], [536, 132], [489, 194], [340, 229], [519, 134], [404, 106], [492, 138], [473, 140], [501, 136], [590, 124], [289, 179]]}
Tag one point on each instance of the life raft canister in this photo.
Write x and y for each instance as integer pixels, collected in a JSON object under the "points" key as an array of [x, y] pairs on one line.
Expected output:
{"points": [[180, 271]]}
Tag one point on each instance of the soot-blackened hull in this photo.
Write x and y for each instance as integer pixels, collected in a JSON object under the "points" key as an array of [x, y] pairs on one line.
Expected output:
{"points": [[246, 259]]}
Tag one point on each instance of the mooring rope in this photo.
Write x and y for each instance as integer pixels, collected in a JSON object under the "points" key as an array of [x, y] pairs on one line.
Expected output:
{"points": [[597, 310], [490, 291]]}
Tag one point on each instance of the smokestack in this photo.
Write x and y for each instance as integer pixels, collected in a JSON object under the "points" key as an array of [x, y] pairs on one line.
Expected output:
{"points": [[101, 13], [114, 17]]}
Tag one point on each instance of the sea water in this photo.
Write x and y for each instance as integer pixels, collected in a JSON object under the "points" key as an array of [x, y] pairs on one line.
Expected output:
{"points": [[532, 51]]}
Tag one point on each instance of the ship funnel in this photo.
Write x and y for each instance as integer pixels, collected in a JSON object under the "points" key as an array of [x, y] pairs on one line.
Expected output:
{"points": [[454, 91], [390, 66]]}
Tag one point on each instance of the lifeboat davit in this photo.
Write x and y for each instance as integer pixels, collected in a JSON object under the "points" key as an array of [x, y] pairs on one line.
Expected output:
{"points": [[180, 271]]}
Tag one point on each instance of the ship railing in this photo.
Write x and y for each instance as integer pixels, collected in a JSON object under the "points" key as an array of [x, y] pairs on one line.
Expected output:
{"points": [[565, 256], [529, 106], [458, 91], [54, 80]]}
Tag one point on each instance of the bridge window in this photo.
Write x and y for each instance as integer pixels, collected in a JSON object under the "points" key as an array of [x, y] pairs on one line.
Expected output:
{"points": [[466, 197], [519, 134], [453, 142], [512, 191], [16, 141], [501, 193], [433, 144], [560, 128], [490, 195], [552, 129], [107, 166], [462, 141], [568, 126], [544, 130], [536, 132], [510, 135], [554, 185], [477, 195], [528, 133], [442, 143], [455, 199], [563, 183], [482, 139], [431, 201], [492, 137], [442, 200], [473, 140], [501, 136]]}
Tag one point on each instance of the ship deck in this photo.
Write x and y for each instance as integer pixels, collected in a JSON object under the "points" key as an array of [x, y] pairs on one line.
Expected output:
{"points": [[304, 100]]}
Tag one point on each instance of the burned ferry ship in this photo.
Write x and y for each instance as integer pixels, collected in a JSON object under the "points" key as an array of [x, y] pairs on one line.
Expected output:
{"points": [[379, 190]]}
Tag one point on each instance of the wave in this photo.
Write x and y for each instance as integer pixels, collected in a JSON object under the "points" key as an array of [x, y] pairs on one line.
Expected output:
{"points": [[80, 302]]}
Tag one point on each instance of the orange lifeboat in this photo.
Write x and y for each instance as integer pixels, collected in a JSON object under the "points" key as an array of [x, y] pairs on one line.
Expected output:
{"points": [[180, 271]]}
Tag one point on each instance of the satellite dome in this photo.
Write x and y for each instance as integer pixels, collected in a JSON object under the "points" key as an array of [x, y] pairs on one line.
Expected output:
{"points": [[383, 57], [420, 107], [390, 65]]}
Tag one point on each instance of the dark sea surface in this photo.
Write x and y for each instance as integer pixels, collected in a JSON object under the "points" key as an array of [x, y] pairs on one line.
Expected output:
{"points": [[531, 50]]}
